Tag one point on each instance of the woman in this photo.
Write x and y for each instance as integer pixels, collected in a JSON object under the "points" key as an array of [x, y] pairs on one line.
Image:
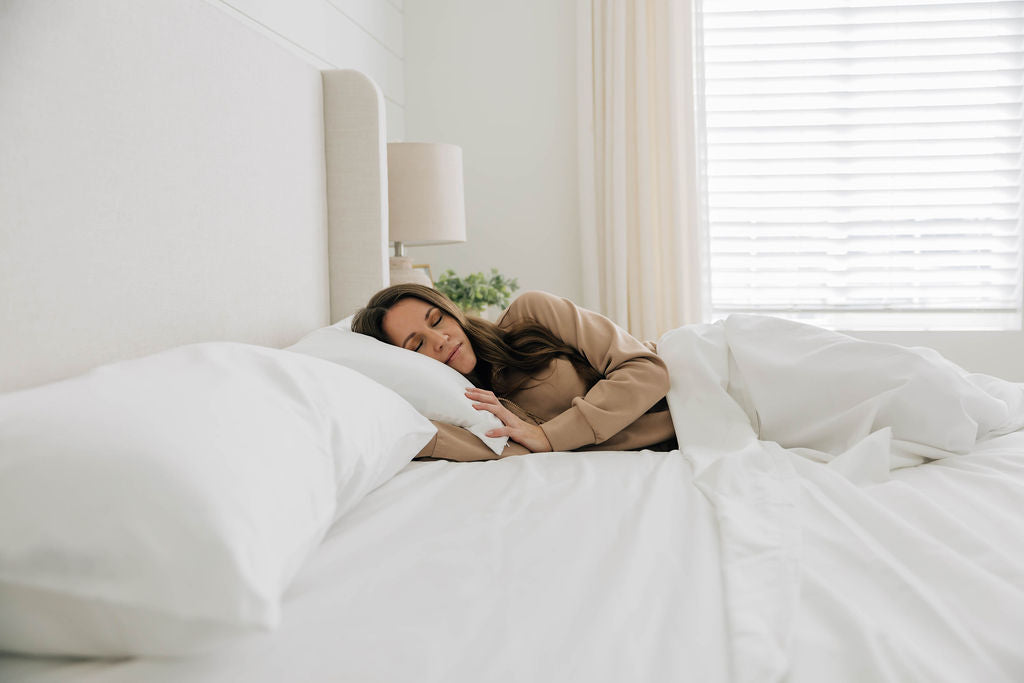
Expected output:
{"points": [[559, 377]]}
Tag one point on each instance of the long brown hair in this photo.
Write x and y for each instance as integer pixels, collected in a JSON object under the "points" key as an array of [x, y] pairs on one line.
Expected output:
{"points": [[525, 346]]}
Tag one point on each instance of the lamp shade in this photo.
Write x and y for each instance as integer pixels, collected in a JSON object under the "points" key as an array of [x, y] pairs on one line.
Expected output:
{"points": [[426, 202]]}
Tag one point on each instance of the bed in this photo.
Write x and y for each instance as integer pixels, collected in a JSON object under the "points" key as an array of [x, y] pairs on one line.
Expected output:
{"points": [[217, 189]]}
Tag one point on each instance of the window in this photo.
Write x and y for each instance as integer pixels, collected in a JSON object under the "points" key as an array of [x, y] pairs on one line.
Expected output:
{"points": [[864, 160]]}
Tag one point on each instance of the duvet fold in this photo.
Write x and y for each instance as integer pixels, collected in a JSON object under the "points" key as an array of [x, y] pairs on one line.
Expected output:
{"points": [[795, 433]]}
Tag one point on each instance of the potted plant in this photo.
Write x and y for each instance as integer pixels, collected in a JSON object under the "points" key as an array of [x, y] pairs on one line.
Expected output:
{"points": [[477, 291]]}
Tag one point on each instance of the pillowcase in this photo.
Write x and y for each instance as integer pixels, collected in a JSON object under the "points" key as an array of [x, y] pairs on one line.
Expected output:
{"points": [[154, 506], [436, 390]]}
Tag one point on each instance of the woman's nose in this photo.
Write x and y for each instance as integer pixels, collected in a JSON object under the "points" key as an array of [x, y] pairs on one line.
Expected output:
{"points": [[440, 338]]}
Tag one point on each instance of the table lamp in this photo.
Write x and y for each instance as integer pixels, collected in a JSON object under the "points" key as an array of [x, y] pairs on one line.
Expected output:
{"points": [[426, 203]]}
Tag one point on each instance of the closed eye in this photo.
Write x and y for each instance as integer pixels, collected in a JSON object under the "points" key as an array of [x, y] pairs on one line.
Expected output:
{"points": [[437, 321]]}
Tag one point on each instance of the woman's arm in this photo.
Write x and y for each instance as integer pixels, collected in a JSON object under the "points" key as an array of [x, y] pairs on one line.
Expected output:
{"points": [[635, 377], [456, 443]]}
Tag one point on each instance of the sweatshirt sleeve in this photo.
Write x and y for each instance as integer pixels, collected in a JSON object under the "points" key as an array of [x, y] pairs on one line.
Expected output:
{"points": [[456, 443], [635, 378]]}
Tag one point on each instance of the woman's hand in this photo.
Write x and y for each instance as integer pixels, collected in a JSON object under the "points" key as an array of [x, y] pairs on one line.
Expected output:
{"points": [[529, 435]]}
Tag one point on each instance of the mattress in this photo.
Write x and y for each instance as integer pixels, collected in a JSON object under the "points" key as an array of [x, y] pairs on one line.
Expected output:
{"points": [[609, 566]]}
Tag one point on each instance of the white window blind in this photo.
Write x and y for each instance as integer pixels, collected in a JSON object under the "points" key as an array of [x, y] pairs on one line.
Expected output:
{"points": [[864, 160]]}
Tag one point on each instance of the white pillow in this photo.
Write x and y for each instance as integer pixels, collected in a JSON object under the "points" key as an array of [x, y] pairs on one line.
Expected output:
{"points": [[436, 390], [152, 506]]}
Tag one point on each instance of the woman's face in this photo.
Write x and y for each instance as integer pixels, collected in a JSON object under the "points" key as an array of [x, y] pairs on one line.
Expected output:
{"points": [[420, 326]]}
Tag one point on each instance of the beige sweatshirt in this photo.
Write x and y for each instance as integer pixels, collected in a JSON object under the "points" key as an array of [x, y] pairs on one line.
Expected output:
{"points": [[624, 411]]}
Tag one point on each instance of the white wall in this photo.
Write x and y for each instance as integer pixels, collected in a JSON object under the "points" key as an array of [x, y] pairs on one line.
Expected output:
{"points": [[498, 79], [991, 353], [339, 34]]}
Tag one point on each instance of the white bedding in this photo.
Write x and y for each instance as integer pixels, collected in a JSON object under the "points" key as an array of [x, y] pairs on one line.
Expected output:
{"points": [[605, 567], [832, 569], [920, 578], [735, 558], [555, 567]]}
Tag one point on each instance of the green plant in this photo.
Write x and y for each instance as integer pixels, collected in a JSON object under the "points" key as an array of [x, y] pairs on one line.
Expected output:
{"points": [[476, 291]]}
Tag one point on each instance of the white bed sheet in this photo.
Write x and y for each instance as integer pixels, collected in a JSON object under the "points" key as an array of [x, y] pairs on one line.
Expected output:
{"points": [[555, 567], [608, 567], [919, 578]]}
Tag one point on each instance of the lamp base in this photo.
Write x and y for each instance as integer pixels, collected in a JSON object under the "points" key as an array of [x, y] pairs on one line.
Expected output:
{"points": [[402, 272]]}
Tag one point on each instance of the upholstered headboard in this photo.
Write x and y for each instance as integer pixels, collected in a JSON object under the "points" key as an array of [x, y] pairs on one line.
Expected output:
{"points": [[168, 176]]}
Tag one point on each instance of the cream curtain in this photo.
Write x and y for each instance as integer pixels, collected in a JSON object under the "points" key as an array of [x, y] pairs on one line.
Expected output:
{"points": [[643, 249]]}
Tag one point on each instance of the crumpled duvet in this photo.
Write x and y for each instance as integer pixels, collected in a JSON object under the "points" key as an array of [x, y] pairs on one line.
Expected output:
{"points": [[779, 419], [821, 394]]}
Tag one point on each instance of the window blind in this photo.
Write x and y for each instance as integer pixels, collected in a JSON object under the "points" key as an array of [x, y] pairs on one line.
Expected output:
{"points": [[864, 160]]}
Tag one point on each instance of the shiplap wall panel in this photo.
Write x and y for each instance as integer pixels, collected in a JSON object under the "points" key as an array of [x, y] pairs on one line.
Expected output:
{"points": [[366, 35], [395, 117], [161, 183], [379, 17]]}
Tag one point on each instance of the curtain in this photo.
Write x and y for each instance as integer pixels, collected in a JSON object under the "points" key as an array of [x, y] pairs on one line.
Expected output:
{"points": [[643, 248]]}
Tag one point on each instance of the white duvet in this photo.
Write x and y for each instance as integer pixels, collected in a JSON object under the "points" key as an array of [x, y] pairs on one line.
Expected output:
{"points": [[821, 581]]}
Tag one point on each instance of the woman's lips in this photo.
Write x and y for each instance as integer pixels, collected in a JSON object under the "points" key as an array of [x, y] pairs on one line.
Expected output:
{"points": [[454, 353]]}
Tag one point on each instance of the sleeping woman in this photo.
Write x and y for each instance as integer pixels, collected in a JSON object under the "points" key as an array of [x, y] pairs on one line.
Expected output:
{"points": [[559, 377]]}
